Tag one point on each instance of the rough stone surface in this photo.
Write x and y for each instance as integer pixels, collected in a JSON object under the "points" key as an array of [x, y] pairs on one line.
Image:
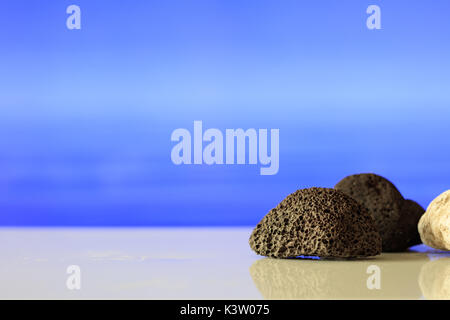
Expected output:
{"points": [[434, 226], [409, 219], [395, 218], [406, 234], [316, 222]]}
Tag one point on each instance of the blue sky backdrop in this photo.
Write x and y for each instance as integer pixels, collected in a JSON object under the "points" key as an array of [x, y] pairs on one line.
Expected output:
{"points": [[86, 115]]}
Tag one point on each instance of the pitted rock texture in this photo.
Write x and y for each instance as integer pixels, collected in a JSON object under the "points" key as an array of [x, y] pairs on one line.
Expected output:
{"points": [[395, 218], [316, 222], [434, 226]]}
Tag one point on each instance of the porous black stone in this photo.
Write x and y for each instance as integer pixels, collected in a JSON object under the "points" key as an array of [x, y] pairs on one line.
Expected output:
{"points": [[396, 218], [411, 214], [317, 222]]}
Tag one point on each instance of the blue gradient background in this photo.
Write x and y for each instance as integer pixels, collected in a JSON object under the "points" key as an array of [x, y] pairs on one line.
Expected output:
{"points": [[86, 115]]}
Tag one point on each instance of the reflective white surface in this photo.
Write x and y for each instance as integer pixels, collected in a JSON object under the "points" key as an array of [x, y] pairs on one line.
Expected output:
{"points": [[199, 263]]}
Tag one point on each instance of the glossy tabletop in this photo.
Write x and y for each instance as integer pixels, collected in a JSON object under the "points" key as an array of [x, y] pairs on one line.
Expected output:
{"points": [[200, 263]]}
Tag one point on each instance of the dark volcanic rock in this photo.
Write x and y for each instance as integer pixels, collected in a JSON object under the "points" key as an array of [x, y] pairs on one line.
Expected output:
{"points": [[396, 218], [316, 222], [406, 234], [410, 217]]}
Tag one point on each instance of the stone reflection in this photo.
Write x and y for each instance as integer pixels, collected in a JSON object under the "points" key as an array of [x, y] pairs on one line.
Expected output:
{"points": [[434, 279], [339, 279]]}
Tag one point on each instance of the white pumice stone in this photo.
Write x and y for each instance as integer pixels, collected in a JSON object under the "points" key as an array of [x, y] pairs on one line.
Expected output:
{"points": [[434, 226]]}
